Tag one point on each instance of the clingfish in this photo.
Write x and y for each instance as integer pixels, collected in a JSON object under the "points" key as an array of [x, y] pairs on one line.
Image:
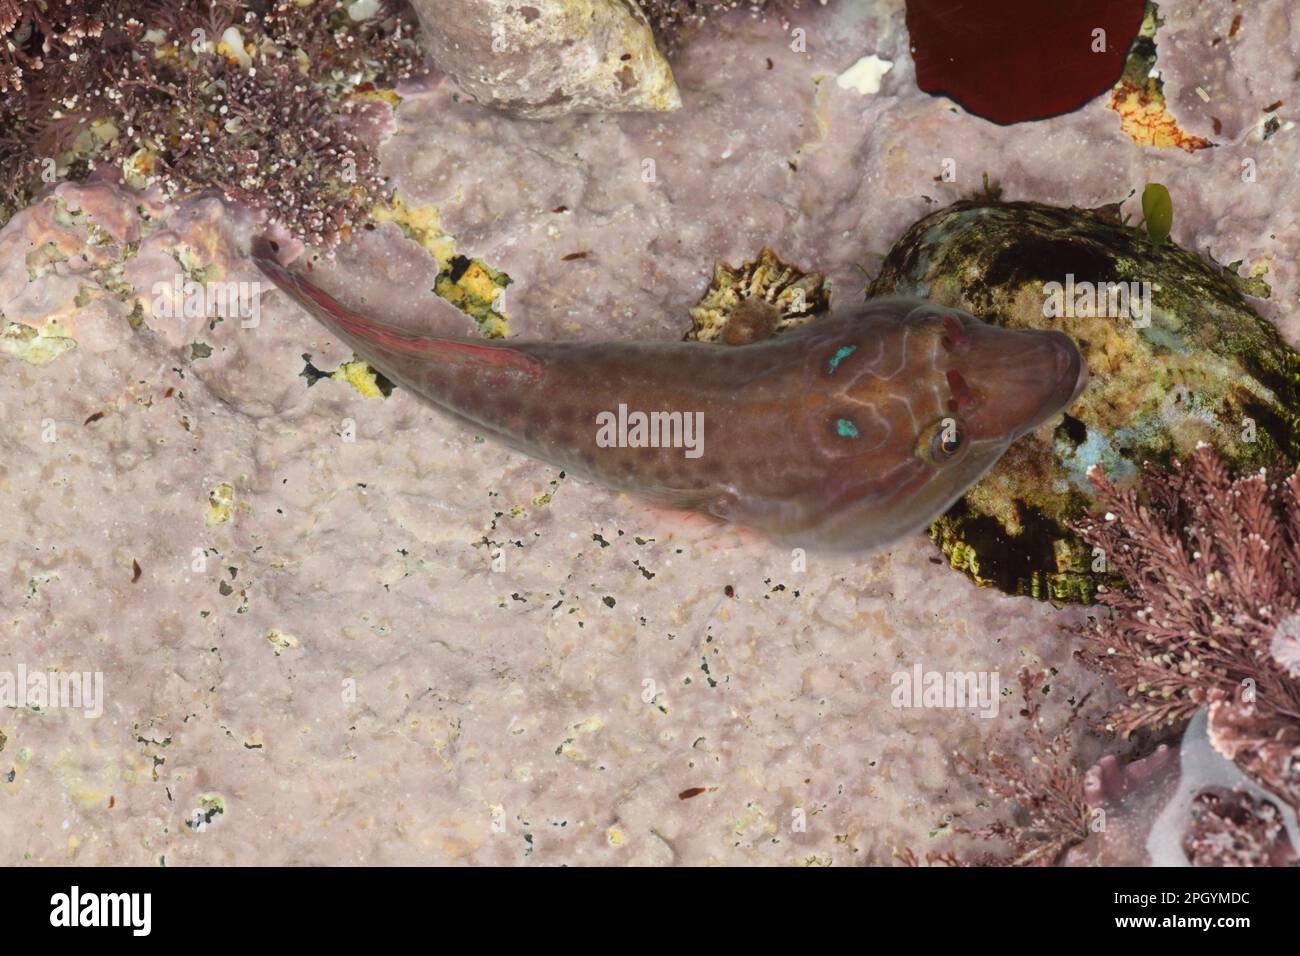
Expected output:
{"points": [[846, 434]]}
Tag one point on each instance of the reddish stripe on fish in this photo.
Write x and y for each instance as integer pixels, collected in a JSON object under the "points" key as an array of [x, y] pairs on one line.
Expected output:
{"points": [[367, 331]]}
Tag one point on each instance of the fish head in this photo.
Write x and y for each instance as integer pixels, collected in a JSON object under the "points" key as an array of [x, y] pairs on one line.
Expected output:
{"points": [[988, 386], [917, 402], [978, 387]]}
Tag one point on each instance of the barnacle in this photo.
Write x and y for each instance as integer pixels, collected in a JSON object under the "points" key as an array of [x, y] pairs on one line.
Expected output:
{"points": [[761, 298]]}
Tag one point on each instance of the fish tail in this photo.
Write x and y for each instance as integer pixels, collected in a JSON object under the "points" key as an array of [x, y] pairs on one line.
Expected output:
{"points": [[370, 336], [323, 306]]}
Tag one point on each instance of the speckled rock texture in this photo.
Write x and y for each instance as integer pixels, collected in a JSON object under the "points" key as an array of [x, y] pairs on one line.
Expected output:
{"points": [[542, 58], [338, 629]]}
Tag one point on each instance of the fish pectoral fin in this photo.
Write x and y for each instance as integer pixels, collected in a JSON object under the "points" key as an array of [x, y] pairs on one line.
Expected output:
{"points": [[721, 506], [708, 504]]}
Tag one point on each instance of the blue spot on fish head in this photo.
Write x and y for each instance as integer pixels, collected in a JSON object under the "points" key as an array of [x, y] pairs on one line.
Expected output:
{"points": [[843, 352]]}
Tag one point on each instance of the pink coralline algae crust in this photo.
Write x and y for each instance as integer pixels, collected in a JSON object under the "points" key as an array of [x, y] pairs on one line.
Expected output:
{"points": [[1131, 796], [1015, 60], [321, 664], [1184, 806], [334, 662]]}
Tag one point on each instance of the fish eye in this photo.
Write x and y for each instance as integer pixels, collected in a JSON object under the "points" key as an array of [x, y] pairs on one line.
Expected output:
{"points": [[947, 439]]}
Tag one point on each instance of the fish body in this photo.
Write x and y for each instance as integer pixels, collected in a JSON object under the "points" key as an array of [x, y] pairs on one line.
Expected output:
{"points": [[847, 433]]}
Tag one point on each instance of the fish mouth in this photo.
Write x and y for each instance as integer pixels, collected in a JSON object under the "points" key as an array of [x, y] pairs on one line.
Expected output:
{"points": [[1050, 368], [1071, 369]]}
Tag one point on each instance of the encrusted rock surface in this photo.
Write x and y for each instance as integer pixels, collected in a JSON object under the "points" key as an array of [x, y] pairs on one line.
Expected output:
{"points": [[363, 686], [543, 58]]}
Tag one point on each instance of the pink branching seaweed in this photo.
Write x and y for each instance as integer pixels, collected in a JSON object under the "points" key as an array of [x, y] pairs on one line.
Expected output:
{"points": [[1232, 828], [1209, 618], [1049, 790], [1211, 613], [252, 99]]}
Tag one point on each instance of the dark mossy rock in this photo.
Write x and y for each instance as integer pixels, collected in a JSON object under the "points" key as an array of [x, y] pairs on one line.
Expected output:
{"points": [[1198, 366]]}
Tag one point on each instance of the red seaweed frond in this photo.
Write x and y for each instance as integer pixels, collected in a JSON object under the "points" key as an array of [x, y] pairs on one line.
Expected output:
{"points": [[249, 98], [1049, 790], [1234, 828], [1211, 614]]}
